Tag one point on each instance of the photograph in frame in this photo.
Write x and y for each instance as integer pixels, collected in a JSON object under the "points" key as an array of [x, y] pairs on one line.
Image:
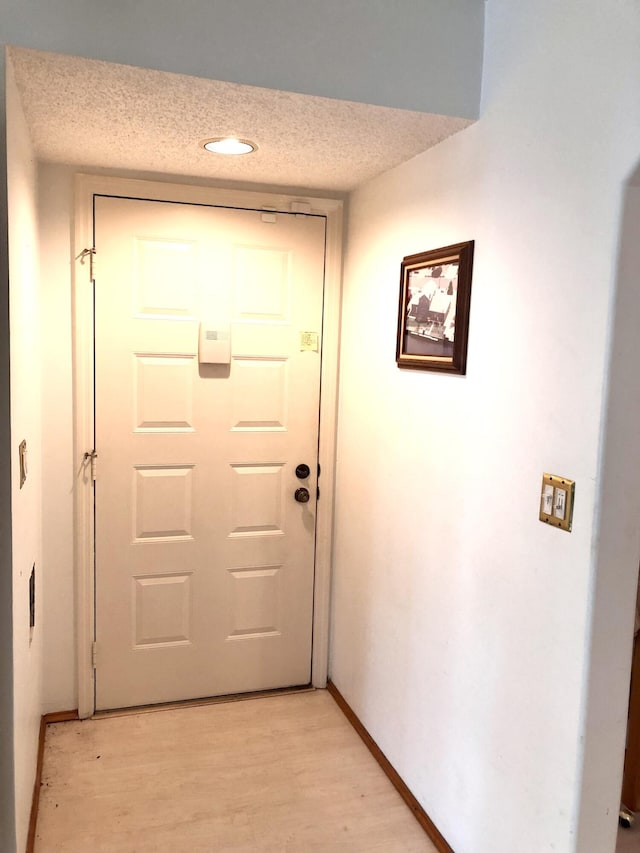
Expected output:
{"points": [[433, 314]]}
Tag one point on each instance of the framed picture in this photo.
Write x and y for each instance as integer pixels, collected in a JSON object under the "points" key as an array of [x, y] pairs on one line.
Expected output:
{"points": [[433, 316]]}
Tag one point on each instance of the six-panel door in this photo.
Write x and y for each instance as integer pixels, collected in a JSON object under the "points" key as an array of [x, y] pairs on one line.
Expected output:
{"points": [[204, 559]]}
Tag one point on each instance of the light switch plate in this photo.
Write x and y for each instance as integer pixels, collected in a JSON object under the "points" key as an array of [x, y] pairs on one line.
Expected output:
{"points": [[556, 501]]}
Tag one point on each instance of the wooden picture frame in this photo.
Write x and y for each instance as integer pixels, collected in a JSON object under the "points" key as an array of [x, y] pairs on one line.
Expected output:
{"points": [[433, 314]]}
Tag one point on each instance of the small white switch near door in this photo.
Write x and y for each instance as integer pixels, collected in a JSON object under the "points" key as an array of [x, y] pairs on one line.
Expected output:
{"points": [[560, 503]]}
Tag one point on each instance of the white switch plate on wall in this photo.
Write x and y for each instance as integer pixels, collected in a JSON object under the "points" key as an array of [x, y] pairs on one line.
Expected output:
{"points": [[556, 501]]}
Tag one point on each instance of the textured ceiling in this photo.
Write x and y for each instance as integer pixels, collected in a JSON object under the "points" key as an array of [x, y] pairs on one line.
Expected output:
{"points": [[98, 114]]}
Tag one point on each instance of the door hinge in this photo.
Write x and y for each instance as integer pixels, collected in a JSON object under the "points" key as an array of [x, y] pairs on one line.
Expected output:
{"points": [[94, 655], [92, 261], [92, 456]]}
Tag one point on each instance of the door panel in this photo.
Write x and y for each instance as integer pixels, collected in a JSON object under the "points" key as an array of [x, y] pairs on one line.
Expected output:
{"points": [[204, 560]]}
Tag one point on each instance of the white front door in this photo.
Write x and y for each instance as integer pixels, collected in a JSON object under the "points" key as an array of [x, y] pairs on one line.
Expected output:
{"points": [[204, 557]]}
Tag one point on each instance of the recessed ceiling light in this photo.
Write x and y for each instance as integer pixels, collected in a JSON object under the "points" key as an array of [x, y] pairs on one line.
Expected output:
{"points": [[229, 145]]}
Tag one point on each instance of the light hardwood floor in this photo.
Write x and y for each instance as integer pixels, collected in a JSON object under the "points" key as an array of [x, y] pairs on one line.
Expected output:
{"points": [[282, 774]]}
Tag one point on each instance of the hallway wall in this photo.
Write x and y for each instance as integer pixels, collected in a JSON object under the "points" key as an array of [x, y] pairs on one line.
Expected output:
{"points": [[463, 627], [24, 301], [7, 798], [618, 519]]}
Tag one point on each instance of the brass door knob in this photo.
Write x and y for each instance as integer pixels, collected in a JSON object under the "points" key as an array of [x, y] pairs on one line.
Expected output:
{"points": [[302, 495]]}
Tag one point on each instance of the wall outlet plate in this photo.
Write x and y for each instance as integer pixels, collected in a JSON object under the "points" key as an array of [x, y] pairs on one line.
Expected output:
{"points": [[22, 451], [556, 501]]}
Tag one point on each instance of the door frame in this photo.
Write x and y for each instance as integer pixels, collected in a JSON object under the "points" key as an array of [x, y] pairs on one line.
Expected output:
{"points": [[86, 187]]}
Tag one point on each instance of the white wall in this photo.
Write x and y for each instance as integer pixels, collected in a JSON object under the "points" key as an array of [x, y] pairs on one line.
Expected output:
{"points": [[618, 531], [24, 300], [410, 54], [7, 798], [462, 626]]}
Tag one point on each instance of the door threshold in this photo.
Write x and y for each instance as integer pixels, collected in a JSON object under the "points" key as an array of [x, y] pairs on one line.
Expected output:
{"points": [[207, 700]]}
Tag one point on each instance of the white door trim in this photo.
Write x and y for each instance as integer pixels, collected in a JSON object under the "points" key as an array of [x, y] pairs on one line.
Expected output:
{"points": [[86, 187]]}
